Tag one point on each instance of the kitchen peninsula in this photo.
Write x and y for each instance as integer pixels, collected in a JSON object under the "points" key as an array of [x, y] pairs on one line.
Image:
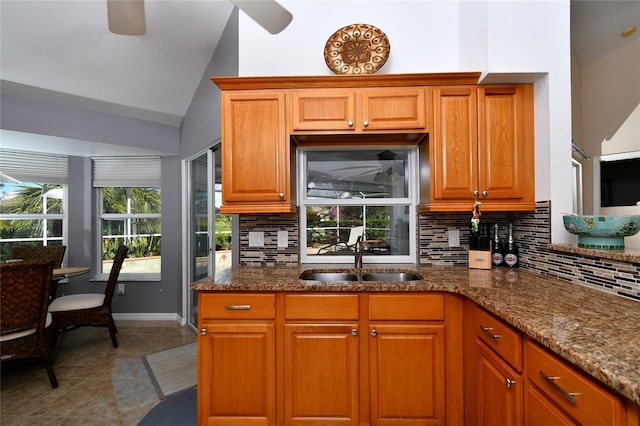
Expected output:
{"points": [[589, 329]]}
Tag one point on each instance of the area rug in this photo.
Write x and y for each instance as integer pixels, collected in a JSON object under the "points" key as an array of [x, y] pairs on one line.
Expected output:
{"points": [[173, 370], [180, 409]]}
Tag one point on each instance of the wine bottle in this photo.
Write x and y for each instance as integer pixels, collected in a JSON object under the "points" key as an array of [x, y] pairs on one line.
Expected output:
{"points": [[511, 254], [497, 256]]}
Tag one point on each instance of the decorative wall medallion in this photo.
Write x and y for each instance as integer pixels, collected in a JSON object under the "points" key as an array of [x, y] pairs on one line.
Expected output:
{"points": [[357, 49]]}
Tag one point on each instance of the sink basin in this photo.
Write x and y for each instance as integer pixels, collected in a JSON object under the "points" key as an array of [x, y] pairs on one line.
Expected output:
{"points": [[328, 276], [390, 276]]}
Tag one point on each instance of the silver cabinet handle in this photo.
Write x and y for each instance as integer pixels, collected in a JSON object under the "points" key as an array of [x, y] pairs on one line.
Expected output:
{"points": [[374, 333], [476, 193], [365, 123], [489, 331], [350, 123], [237, 307], [509, 382], [485, 193], [570, 396], [281, 195], [354, 332], [203, 331]]}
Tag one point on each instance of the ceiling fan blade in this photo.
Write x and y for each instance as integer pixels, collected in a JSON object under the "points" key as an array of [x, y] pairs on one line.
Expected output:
{"points": [[126, 17], [269, 14]]}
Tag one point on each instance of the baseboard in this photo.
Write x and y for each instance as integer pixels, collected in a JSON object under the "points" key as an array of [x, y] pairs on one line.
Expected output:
{"points": [[161, 316]]}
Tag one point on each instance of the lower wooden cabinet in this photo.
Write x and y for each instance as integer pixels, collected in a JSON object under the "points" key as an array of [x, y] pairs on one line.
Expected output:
{"points": [[574, 396], [321, 359], [321, 384], [407, 374], [328, 359], [512, 380], [499, 390], [236, 360], [383, 359], [541, 411], [238, 366]]}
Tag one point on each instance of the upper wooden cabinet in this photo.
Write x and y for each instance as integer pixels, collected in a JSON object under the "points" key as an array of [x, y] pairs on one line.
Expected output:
{"points": [[481, 148], [358, 110], [256, 162], [480, 138]]}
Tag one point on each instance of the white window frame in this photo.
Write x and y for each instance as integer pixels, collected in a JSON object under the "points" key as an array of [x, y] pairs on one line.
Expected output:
{"points": [[124, 172], [40, 169], [411, 201], [150, 276], [43, 217]]}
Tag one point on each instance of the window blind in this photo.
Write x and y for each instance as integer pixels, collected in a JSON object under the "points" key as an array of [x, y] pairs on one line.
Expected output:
{"points": [[126, 171], [24, 166]]}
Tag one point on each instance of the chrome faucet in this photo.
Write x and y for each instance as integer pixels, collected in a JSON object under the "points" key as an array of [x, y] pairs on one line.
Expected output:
{"points": [[359, 247]]}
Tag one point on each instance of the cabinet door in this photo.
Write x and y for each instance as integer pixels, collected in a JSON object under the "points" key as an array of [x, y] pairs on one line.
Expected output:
{"points": [[321, 374], [358, 109], [407, 374], [505, 149], [323, 109], [499, 390], [236, 376], [540, 411], [255, 150], [453, 146], [393, 109]]}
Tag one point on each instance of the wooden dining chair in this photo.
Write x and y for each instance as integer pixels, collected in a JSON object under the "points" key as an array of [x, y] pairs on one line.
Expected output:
{"points": [[54, 253], [24, 298], [89, 309]]}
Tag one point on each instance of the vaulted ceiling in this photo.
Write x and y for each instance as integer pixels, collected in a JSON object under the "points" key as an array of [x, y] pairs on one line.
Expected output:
{"points": [[61, 51]]}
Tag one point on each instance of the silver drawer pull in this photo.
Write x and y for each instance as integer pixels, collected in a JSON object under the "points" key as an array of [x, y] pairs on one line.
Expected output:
{"points": [[570, 396], [237, 307], [489, 331], [509, 382]]}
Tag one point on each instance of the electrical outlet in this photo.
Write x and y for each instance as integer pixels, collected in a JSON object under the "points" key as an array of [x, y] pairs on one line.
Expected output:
{"points": [[256, 239], [454, 237], [283, 239], [120, 289]]}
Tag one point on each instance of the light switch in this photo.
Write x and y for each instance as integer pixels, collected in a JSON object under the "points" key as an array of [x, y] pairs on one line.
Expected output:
{"points": [[283, 239], [256, 239], [454, 237]]}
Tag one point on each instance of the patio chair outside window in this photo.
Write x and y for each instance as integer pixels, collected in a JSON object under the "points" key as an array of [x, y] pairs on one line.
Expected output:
{"points": [[354, 233]]}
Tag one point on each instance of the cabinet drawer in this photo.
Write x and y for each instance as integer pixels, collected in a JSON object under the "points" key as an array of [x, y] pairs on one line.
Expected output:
{"points": [[406, 307], [502, 338], [237, 306], [321, 307], [575, 393]]}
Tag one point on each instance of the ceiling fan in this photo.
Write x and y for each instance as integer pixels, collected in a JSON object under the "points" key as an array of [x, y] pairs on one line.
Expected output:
{"points": [[126, 17]]}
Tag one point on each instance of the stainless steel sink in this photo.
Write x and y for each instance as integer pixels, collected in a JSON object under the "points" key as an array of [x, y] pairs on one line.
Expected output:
{"points": [[391, 276], [329, 276]]}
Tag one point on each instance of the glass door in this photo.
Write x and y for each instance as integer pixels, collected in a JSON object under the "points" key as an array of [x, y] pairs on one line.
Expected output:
{"points": [[200, 249], [209, 248]]}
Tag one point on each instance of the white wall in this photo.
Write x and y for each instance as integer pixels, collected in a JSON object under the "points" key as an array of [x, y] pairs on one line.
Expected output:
{"points": [[423, 36], [627, 137], [494, 37]]}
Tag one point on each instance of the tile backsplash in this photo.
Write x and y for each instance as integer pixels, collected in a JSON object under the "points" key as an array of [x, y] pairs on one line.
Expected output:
{"points": [[532, 232]]}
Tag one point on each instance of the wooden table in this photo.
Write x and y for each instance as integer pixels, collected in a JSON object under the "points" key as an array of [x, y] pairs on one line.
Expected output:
{"points": [[63, 273], [71, 271]]}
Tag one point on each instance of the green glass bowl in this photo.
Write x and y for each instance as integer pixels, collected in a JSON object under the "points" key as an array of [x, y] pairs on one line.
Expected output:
{"points": [[602, 232]]}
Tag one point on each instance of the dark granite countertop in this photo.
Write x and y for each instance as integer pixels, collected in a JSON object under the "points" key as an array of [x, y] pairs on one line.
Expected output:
{"points": [[594, 330]]}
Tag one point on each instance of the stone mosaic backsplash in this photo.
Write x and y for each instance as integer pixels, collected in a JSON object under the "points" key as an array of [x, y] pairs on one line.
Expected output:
{"points": [[270, 253], [532, 232]]}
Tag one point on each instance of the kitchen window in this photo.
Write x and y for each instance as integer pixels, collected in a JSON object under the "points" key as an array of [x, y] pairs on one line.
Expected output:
{"points": [[366, 192]]}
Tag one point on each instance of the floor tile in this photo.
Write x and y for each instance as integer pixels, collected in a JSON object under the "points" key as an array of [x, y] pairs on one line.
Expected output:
{"points": [[98, 384]]}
